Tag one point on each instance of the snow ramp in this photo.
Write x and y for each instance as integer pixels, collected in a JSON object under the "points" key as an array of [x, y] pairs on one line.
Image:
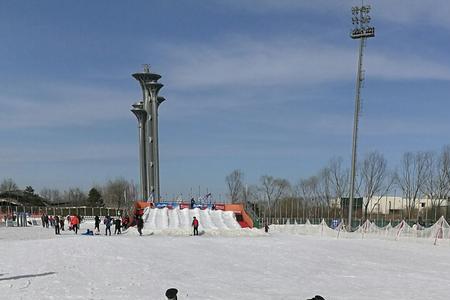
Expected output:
{"points": [[178, 221]]}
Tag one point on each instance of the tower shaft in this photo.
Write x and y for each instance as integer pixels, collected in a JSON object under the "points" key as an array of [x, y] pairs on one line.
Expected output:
{"points": [[150, 88]]}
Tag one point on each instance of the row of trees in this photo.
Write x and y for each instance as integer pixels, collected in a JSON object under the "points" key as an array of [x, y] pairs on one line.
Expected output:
{"points": [[115, 193], [419, 175]]}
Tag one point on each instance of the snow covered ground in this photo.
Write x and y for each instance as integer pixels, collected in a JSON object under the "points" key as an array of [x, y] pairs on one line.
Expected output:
{"points": [[36, 264]]}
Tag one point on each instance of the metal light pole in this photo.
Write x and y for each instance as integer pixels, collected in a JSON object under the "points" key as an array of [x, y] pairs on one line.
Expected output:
{"points": [[151, 101], [361, 31]]}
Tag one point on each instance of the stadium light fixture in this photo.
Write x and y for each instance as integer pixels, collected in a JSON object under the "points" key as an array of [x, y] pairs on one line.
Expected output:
{"points": [[361, 30]]}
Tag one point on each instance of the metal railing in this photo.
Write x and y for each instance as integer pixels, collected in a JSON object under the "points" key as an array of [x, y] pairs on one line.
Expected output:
{"points": [[8, 212]]}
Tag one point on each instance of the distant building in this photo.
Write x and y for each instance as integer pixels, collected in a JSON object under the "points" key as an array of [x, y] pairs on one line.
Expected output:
{"points": [[388, 204]]}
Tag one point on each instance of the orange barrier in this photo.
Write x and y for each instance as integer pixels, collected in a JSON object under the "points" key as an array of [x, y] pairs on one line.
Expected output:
{"points": [[142, 204], [139, 207], [239, 209]]}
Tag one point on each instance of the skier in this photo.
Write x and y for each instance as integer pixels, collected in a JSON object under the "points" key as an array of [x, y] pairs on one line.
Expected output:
{"points": [[57, 225], [97, 223], [195, 225], [117, 226], [140, 225], [107, 222]]}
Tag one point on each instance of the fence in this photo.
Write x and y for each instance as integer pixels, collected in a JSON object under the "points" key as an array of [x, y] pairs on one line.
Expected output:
{"points": [[439, 232], [9, 212], [291, 213]]}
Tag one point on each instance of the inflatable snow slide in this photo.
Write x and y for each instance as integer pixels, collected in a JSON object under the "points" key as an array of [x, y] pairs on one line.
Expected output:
{"points": [[178, 221]]}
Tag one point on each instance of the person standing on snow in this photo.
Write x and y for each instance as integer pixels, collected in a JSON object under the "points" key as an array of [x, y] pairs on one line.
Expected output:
{"points": [[57, 225], [97, 223], [195, 225], [107, 222], [117, 226], [140, 225], [61, 223], [75, 222]]}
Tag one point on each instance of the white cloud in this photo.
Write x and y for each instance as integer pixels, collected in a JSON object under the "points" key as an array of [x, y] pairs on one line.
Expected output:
{"points": [[241, 62], [67, 152], [400, 127], [407, 12], [60, 104], [413, 11]]}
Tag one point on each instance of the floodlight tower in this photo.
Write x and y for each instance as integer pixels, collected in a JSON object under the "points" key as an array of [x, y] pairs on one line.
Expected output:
{"points": [[151, 101], [362, 30]]}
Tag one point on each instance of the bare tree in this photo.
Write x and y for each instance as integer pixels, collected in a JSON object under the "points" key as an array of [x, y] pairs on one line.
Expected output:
{"points": [[339, 180], [412, 178], [324, 186], [436, 184], [131, 194], [8, 185], [249, 193], [376, 181], [75, 196], [283, 191], [114, 192], [273, 189], [235, 186], [52, 195], [301, 193], [308, 189], [339, 177]]}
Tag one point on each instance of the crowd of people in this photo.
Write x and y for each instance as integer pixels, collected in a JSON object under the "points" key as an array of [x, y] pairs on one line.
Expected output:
{"points": [[73, 221], [58, 222], [119, 223]]}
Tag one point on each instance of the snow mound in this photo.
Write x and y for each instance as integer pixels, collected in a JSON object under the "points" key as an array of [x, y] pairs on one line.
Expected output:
{"points": [[178, 222]]}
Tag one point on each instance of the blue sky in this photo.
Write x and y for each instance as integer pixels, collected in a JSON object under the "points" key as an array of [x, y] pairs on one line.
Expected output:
{"points": [[262, 86]]}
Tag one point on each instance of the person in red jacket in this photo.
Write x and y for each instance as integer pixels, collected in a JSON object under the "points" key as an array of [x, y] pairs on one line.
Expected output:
{"points": [[195, 225], [75, 222]]}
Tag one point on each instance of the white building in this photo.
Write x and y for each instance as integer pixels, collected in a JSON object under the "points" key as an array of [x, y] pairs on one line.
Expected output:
{"points": [[392, 204]]}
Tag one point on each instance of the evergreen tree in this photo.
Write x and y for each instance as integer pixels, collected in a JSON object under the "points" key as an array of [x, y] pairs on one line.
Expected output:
{"points": [[95, 198], [29, 190]]}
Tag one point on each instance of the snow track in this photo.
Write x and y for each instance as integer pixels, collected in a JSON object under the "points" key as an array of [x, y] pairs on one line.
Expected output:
{"points": [[178, 222]]}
